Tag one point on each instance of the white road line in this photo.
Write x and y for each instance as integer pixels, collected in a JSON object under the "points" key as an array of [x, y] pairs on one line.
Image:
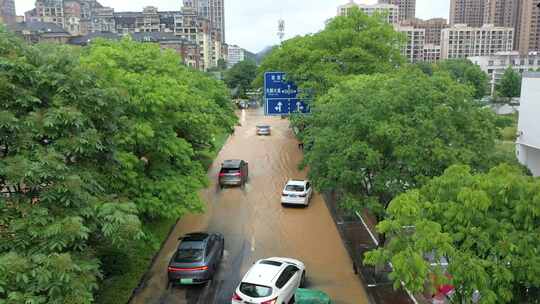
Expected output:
{"points": [[252, 243]]}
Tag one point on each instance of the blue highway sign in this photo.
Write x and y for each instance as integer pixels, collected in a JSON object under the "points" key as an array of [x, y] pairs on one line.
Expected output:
{"points": [[277, 86], [281, 95]]}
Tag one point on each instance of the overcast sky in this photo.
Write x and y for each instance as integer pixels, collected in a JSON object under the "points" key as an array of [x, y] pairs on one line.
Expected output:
{"points": [[252, 24]]}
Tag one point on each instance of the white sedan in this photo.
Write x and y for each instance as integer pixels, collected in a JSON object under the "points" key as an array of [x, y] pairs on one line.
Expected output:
{"points": [[271, 281], [297, 192]]}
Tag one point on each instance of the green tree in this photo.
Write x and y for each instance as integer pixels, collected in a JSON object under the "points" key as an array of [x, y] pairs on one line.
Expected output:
{"points": [[510, 84], [222, 64], [91, 141], [466, 72], [170, 116], [374, 137], [485, 225], [349, 45], [240, 76], [55, 129]]}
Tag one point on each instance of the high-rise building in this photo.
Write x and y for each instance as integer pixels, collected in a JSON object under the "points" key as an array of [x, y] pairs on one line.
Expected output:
{"points": [[501, 12], [389, 11], [407, 8], [433, 28], [462, 41], [214, 11], [470, 12], [7, 11], [528, 27]]}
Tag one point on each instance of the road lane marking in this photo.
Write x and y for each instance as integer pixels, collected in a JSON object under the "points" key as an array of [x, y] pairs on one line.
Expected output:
{"points": [[252, 243]]}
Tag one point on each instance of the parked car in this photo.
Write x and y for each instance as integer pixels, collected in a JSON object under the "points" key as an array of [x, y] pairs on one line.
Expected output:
{"points": [[263, 130], [271, 281], [196, 259], [297, 192], [310, 296], [234, 172]]}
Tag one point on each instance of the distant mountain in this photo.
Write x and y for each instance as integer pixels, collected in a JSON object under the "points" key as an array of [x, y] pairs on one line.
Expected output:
{"points": [[260, 55]]}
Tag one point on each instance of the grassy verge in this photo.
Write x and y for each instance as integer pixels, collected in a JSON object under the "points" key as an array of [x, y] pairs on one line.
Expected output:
{"points": [[124, 268], [130, 263]]}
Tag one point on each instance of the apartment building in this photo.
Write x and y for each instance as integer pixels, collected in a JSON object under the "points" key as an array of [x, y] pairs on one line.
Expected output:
{"points": [[413, 50], [470, 12], [495, 65], [7, 12], [50, 11], [432, 53], [214, 11], [462, 41], [407, 8], [528, 27], [433, 28], [41, 32], [389, 11]]}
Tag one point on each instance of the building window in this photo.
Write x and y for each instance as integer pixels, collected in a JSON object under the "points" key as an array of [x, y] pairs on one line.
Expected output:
{"points": [[490, 63]]}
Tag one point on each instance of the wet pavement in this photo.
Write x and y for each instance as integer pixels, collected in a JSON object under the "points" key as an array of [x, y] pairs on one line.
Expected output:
{"points": [[256, 226]]}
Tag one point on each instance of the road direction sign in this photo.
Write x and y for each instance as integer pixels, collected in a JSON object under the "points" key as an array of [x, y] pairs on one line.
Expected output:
{"points": [[281, 95], [277, 86]]}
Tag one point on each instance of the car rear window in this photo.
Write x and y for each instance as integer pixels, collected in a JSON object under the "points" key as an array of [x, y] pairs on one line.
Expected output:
{"points": [[263, 127], [189, 252], [255, 291], [230, 170], [294, 188]]}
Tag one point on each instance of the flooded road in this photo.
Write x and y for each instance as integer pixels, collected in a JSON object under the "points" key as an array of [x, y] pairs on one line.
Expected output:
{"points": [[256, 226]]}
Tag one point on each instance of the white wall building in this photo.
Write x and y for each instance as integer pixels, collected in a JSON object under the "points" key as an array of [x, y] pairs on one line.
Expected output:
{"points": [[390, 11], [413, 50], [528, 141], [495, 65], [235, 55], [462, 41]]}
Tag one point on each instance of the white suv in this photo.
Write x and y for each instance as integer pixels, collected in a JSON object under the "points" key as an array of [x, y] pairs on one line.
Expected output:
{"points": [[271, 281], [297, 192]]}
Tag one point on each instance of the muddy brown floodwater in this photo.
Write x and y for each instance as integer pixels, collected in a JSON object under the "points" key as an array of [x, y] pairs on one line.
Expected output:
{"points": [[256, 226]]}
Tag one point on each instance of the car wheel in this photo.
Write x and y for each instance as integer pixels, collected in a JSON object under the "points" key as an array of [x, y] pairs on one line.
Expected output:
{"points": [[303, 280]]}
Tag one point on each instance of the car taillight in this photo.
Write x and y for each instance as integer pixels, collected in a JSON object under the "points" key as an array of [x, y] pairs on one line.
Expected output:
{"points": [[174, 269], [221, 174], [236, 297], [237, 174], [273, 301]]}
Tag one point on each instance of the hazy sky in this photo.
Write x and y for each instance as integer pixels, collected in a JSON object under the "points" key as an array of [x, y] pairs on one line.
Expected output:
{"points": [[252, 24]]}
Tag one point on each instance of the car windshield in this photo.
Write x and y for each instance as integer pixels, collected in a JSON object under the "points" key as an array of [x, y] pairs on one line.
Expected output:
{"points": [[294, 188], [263, 127], [255, 291], [190, 252], [230, 170]]}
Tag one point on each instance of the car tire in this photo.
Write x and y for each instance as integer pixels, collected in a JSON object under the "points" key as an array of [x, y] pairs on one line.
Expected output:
{"points": [[303, 280]]}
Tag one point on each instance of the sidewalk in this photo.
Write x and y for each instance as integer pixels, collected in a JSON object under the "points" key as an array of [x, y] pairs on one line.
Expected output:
{"points": [[358, 240]]}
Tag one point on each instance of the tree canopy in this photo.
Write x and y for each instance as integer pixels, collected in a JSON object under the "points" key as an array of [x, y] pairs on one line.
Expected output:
{"points": [[349, 45], [485, 225], [374, 137], [510, 84], [91, 142], [468, 73], [240, 76], [157, 146]]}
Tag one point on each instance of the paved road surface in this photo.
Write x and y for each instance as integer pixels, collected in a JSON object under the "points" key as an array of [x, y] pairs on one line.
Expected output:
{"points": [[256, 226]]}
